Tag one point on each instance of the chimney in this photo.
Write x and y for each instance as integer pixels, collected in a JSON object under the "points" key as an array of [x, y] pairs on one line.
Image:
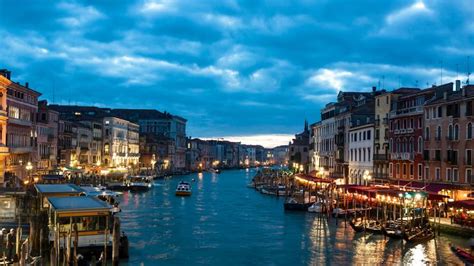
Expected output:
{"points": [[27, 84], [458, 85], [6, 73]]}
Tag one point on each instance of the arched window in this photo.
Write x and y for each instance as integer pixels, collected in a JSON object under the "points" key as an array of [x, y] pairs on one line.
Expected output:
{"points": [[412, 145], [391, 144], [438, 133], [456, 132], [427, 133], [420, 144], [450, 132], [469, 131]]}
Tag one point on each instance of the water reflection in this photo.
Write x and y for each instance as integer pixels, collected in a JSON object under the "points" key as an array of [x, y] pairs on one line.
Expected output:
{"points": [[224, 222]]}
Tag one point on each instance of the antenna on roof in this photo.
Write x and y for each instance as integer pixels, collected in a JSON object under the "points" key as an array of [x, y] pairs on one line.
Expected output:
{"points": [[468, 69]]}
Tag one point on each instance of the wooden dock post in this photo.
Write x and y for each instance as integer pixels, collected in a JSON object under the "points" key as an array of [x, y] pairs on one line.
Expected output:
{"points": [[116, 241]]}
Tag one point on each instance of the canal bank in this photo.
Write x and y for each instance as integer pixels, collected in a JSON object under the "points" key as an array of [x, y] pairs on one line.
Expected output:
{"points": [[224, 219]]}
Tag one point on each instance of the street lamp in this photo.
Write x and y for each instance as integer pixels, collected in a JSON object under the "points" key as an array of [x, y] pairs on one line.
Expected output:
{"points": [[29, 167], [367, 177]]}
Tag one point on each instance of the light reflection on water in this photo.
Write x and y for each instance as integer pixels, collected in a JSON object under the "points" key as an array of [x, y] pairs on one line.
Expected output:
{"points": [[224, 222]]}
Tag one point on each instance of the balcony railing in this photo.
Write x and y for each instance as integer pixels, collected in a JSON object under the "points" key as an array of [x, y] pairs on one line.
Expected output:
{"points": [[409, 156]]}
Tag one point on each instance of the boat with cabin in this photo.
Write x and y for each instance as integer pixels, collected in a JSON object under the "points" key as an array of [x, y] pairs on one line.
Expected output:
{"points": [[183, 189]]}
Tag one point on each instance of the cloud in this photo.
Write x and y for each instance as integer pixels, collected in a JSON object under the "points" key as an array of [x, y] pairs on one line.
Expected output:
{"points": [[234, 68]]}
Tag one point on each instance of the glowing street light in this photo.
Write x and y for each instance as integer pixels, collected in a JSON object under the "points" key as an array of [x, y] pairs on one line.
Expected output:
{"points": [[367, 177]]}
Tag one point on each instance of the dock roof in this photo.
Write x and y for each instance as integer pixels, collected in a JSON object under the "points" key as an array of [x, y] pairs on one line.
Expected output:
{"points": [[58, 188], [84, 203]]}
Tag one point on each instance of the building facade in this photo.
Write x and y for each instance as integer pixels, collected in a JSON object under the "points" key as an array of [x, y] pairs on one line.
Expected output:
{"points": [[4, 152], [22, 107], [47, 140], [361, 148]]}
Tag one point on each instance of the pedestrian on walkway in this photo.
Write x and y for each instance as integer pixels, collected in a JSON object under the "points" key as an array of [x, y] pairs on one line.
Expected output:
{"points": [[3, 237], [11, 240]]}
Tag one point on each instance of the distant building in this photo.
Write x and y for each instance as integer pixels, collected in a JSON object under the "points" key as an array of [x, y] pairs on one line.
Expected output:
{"points": [[361, 148], [299, 150], [280, 155]]}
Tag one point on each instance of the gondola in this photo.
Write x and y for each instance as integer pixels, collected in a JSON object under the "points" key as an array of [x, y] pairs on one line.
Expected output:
{"points": [[462, 254], [293, 205], [358, 226], [374, 227], [419, 236]]}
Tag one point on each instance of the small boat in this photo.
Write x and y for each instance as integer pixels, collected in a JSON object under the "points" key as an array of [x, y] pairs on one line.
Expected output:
{"points": [[393, 230], [183, 189], [464, 255], [293, 205], [281, 190], [139, 183], [357, 225], [374, 227], [419, 235], [316, 207]]}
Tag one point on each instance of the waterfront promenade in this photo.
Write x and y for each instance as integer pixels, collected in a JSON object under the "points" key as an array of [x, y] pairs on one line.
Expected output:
{"points": [[224, 222]]}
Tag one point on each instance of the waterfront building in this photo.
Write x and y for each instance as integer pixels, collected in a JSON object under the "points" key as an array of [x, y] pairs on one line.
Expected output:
{"points": [[22, 106], [449, 141], [406, 133], [361, 148], [67, 141], [121, 142], [298, 150], [383, 103], [161, 125], [4, 83], [47, 141], [315, 147], [155, 152]]}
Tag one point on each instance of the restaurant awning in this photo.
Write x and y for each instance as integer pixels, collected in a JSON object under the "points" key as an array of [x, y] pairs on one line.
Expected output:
{"points": [[466, 204]]}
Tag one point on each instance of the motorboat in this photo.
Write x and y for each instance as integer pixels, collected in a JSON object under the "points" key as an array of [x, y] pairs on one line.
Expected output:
{"points": [[139, 183], [281, 190], [183, 189], [316, 207]]}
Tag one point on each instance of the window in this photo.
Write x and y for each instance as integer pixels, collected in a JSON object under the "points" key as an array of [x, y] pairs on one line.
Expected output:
{"points": [[448, 174], [455, 175], [427, 133], [368, 135], [437, 174], [456, 132], [469, 178], [440, 111], [426, 155], [390, 167], [404, 169], [420, 144], [427, 171], [469, 131], [469, 157], [14, 112], [368, 154], [437, 155], [420, 170], [438, 133], [450, 132], [411, 170]]}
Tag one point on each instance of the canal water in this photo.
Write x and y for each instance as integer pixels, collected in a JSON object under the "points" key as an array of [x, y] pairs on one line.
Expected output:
{"points": [[226, 223]]}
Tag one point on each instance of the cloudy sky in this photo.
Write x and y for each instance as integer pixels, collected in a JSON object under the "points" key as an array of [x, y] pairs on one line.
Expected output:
{"points": [[232, 68]]}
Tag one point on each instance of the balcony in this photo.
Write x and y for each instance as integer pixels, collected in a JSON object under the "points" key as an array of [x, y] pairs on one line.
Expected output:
{"points": [[407, 156], [19, 122], [18, 150], [406, 111]]}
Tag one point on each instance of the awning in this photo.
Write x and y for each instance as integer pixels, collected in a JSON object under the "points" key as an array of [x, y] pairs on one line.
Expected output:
{"points": [[310, 178], [429, 187], [466, 204]]}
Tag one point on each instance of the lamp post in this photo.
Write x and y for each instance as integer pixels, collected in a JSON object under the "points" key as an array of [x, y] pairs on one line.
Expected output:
{"points": [[367, 177], [29, 167]]}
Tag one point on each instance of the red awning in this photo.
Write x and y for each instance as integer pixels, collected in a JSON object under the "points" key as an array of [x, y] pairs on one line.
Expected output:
{"points": [[429, 187], [313, 179], [466, 204]]}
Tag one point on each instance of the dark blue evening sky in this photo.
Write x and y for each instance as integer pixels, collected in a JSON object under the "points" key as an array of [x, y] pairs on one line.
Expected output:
{"points": [[232, 68]]}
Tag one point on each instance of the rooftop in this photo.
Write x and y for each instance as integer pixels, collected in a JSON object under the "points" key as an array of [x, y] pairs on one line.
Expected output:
{"points": [[58, 188], [77, 203]]}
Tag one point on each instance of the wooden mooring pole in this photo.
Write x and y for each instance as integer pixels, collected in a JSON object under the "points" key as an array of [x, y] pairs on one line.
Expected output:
{"points": [[116, 242]]}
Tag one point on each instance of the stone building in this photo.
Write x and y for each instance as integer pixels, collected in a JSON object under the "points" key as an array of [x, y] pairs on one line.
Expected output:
{"points": [[361, 149], [47, 141], [4, 83]]}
